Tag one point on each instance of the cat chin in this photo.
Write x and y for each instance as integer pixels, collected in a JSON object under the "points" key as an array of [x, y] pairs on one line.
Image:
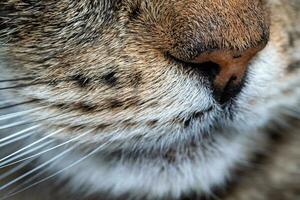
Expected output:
{"points": [[157, 177]]}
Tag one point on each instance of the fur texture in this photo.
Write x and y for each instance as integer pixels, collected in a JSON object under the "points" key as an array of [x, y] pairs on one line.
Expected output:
{"points": [[102, 74]]}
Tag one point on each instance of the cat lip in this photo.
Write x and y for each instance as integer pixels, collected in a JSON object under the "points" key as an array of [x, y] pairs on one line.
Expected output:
{"points": [[215, 111], [198, 116]]}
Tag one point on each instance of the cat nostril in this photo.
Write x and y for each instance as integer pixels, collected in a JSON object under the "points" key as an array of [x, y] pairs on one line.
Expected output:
{"points": [[224, 69], [232, 66], [230, 91], [208, 69]]}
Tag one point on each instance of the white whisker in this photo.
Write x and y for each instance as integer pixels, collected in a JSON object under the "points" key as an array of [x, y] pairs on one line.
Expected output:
{"points": [[32, 178], [37, 168], [17, 134], [292, 112], [30, 145], [21, 113], [42, 152], [23, 122], [8, 163], [5, 102], [14, 170], [56, 173], [17, 139]]}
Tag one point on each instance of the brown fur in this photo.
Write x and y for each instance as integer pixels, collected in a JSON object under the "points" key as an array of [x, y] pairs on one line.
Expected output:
{"points": [[115, 63], [131, 42]]}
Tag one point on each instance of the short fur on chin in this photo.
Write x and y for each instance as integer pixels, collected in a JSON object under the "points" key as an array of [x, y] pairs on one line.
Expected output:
{"points": [[163, 134]]}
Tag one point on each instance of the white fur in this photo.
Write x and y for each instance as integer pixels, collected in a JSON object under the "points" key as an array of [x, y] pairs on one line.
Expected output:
{"points": [[147, 177], [156, 178], [201, 173]]}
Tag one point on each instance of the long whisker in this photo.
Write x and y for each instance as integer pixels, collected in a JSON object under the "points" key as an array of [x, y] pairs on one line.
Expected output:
{"points": [[18, 79], [17, 139], [33, 177], [18, 123], [25, 85], [17, 134], [33, 84], [2, 165], [5, 163], [5, 102], [21, 113], [28, 146], [17, 104], [14, 170], [37, 168], [27, 122], [295, 112], [56, 173]]}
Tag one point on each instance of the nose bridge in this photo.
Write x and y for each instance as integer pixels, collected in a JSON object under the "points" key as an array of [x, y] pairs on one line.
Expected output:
{"points": [[219, 38], [210, 25]]}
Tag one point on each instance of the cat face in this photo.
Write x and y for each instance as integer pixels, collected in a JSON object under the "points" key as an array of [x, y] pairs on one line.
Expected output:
{"points": [[150, 76]]}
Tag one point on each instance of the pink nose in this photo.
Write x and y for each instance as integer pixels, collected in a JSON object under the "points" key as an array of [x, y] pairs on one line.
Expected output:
{"points": [[228, 68], [232, 65]]}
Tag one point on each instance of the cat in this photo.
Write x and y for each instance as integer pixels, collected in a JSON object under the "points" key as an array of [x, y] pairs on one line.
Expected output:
{"points": [[149, 99]]}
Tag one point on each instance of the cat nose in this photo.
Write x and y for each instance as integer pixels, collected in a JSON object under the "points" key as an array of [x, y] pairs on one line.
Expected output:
{"points": [[226, 70], [218, 41]]}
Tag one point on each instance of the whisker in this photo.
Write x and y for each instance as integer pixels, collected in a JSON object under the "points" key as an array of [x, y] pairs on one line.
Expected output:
{"points": [[2, 165], [26, 122], [17, 104], [293, 112], [20, 113], [37, 168], [33, 84], [17, 134], [32, 178], [5, 102], [10, 162], [14, 170], [18, 79], [56, 173], [30, 145], [14, 124], [25, 85], [16, 139]]}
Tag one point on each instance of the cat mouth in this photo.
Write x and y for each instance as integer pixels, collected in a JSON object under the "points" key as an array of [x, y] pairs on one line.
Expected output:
{"points": [[197, 116]]}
